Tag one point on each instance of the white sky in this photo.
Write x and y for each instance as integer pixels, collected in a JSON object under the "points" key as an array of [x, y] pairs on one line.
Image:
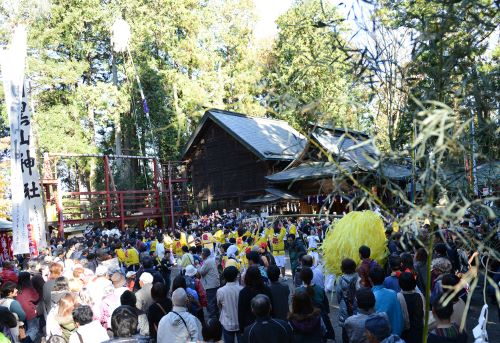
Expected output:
{"points": [[268, 11]]}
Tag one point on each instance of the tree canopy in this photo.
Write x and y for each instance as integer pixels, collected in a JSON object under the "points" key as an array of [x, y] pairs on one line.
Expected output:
{"points": [[192, 55]]}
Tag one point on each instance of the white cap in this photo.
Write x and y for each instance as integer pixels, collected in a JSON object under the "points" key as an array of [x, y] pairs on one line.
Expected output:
{"points": [[101, 270], [130, 274], [191, 270], [146, 278]]}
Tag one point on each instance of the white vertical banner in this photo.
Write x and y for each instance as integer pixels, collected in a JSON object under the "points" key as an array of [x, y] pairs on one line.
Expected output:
{"points": [[28, 224], [31, 180]]}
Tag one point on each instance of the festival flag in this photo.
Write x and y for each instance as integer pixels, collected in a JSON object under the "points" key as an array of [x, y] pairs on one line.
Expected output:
{"points": [[28, 224]]}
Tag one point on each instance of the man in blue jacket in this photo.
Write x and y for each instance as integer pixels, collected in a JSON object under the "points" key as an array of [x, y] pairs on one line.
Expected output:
{"points": [[386, 301]]}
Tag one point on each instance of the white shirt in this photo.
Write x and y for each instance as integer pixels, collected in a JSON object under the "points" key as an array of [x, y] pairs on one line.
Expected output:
{"points": [[318, 278], [92, 332], [52, 326], [312, 242], [160, 250], [97, 288], [227, 301]]}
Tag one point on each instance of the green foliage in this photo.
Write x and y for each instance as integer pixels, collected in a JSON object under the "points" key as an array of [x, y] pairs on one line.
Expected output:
{"points": [[307, 79], [189, 56], [448, 61], [192, 55]]}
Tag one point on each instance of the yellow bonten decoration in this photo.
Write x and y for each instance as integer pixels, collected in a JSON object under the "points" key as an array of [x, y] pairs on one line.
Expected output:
{"points": [[349, 233], [149, 223], [219, 236]]}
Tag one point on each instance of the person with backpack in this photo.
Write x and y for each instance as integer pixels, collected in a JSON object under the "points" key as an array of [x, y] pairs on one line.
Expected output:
{"points": [[295, 247], [87, 330], [266, 256], [346, 293], [195, 284], [28, 298], [193, 301], [446, 331], [254, 259], [463, 258]]}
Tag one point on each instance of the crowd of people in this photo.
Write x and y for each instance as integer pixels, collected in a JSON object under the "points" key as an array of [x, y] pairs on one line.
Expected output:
{"points": [[222, 277]]}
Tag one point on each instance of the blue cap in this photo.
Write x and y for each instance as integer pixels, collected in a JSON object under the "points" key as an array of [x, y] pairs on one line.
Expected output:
{"points": [[378, 325]]}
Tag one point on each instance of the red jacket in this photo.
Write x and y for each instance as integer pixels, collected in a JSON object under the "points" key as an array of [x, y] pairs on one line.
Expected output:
{"points": [[28, 298], [8, 275]]}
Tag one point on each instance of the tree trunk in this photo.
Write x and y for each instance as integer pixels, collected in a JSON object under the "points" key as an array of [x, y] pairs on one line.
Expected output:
{"points": [[93, 165]]}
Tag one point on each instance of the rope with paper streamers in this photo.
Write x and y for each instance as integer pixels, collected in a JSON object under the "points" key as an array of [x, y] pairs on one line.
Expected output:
{"points": [[120, 39], [349, 233]]}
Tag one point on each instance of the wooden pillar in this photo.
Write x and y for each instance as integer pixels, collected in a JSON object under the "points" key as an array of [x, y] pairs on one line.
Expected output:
{"points": [[171, 195], [122, 211], [106, 183]]}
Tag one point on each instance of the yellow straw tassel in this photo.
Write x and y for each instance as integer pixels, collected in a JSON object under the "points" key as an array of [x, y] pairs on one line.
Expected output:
{"points": [[183, 239], [349, 233], [219, 236]]}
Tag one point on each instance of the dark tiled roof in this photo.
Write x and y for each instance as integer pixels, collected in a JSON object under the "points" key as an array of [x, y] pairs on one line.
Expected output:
{"points": [[313, 170], [347, 146], [269, 139]]}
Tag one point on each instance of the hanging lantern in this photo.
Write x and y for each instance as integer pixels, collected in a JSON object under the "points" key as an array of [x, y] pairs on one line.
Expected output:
{"points": [[120, 35]]}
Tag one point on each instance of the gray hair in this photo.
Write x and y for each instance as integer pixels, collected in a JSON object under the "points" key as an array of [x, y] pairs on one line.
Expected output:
{"points": [[261, 305], [179, 297]]}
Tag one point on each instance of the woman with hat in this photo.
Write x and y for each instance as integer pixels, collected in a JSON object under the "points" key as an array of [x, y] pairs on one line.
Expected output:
{"points": [[194, 283]]}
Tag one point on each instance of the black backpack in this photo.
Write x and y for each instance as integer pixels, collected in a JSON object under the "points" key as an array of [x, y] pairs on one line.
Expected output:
{"points": [[350, 296]]}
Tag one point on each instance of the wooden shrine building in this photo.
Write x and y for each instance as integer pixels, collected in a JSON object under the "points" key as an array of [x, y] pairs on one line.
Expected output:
{"points": [[230, 154], [241, 161]]}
